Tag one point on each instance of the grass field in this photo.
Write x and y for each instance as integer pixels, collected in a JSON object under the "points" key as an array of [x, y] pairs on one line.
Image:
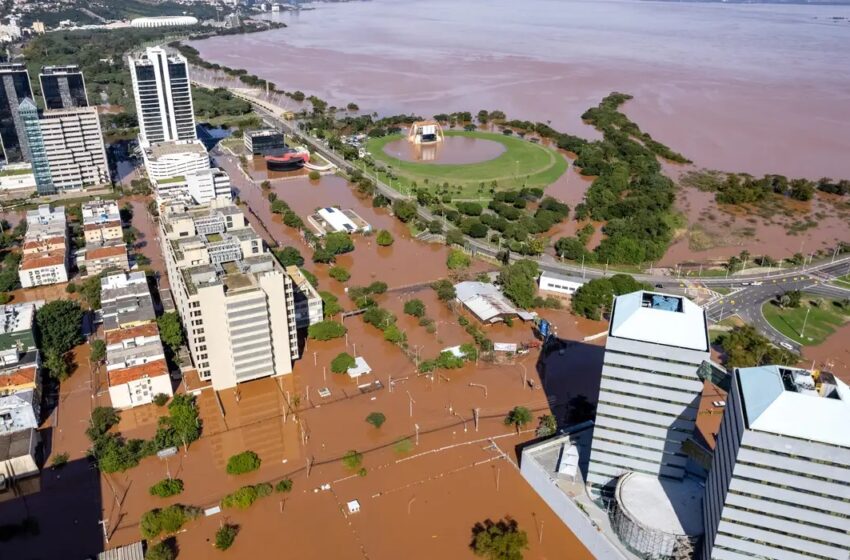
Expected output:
{"points": [[522, 164], [842, 281], [822, 322]]}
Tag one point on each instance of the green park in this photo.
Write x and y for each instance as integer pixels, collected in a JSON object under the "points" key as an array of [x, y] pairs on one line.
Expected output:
{"points": [[522, 164], [811, 321]]}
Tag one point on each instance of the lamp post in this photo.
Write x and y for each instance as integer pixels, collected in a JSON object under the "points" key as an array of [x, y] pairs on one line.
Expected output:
{"points": [[805, 320]]}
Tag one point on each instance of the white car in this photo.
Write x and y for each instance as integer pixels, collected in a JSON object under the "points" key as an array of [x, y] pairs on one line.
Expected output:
{"points": [[786, 345]]}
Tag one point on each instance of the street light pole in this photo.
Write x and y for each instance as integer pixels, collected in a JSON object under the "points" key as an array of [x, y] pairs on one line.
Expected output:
{"points": [[806, 320]]}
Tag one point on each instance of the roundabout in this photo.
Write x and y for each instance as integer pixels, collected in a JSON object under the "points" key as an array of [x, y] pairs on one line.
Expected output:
{"points": [[468, 159]]}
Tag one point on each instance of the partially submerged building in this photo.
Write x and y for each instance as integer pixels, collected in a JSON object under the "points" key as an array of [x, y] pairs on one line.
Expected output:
{"points": [[20, 379], [487, 303], [45, 249], [308, 302], [334, 220], [236, 302]]}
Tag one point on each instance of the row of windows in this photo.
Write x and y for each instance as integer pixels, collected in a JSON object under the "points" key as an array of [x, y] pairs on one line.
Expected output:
{"points": [[629, 444], [796, 505], [800, 519], [648, 398], [772, 484], [646, 410], [794, 456], [771, 545], [804, 474], [798, 536]]}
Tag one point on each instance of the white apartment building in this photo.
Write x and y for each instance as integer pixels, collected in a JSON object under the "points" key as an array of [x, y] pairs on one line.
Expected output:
{"points": [[779, 485], [163, 95], [100, 257], [45, 251], [73, 144], [236, 302], [650, 389], [136, 366], [101, 221], [308, 302], [208, 184], [125, 301], [168, 163]]}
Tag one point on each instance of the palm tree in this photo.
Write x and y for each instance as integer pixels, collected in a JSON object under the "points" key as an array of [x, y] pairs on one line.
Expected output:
{"points": [[519, 416]]}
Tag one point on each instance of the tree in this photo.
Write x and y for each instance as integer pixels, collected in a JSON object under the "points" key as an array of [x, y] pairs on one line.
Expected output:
{"points": [[322, 255], [744, 347], [102, 418], [56, 365], [314, 175], [247, 495], [404, 210], [171, 330], [794, 298], [547, 426], [326, 330], [395, 335], [59, 324], [376, 419], [519, 416], [160, 399], [384, 238], [502, 540], [166, 520], [338, 273], [284, 485], [166, 488], [457, 259], [244, 462], [161, 551], [342, 363], [90, 292], [98, 350], [519, 282], [225, 536], [330, 304], [414, 307], [338, 243], [570, 248], [445, 290], [352, 460], [289, 256], [181, 426]]}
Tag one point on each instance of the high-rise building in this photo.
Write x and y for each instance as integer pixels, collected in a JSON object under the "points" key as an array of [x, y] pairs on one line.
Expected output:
{"points": [[32, 136], [14, 88], [650, 390], [63, 87], [163, 96], [779, 485], [235, 300]]}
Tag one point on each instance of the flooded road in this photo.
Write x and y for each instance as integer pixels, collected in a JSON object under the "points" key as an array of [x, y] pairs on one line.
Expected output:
{"points": [[756, 88], [452, 150]]}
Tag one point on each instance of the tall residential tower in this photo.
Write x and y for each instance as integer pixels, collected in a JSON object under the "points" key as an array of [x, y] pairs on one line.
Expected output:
{"points": [[163, 96]]}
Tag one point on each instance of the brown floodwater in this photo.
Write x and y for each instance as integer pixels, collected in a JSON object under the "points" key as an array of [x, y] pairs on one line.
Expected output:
{"points": [[757, 88], [452, 150]]}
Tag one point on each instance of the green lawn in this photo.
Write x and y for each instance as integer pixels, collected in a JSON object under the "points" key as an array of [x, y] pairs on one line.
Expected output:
{"points": [[522, 164], [842, 281], [822, 322]]}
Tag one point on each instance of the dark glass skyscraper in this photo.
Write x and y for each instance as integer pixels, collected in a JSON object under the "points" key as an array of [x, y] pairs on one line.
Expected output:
{"points": [[63, 87], [14, 88]]}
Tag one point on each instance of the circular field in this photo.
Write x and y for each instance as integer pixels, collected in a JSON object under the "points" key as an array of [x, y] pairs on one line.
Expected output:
{"points": [[452, 150], [522, 163]]}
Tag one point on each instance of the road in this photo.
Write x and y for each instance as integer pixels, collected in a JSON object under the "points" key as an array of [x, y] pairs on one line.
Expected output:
{"points": [[750, 291]]}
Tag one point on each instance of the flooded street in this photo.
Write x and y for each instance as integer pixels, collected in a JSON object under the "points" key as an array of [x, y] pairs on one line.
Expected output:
{"points": [[756, 88], [452, 150]]}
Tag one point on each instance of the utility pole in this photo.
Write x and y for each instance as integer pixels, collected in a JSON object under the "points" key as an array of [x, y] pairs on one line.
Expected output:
{"points": [[416, 427], [103, 523], [475, 412], [411, 402], [806, 320]]}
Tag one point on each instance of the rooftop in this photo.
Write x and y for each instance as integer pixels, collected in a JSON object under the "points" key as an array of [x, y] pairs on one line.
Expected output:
{"points": [[798, 403], [17, 317], [16, 444], [668, 506], [126, 375], [161, 149], [17, 411], [660, 319], [487, 302], [106, 251], [117, 335], [41, 260]]}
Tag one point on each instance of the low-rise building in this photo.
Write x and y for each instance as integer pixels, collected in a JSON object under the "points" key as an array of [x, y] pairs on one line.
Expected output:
{"points": [[20, 382], [100, 257], [235, 300], [207, 184], [101, 221], [264, 142], [136, 367], [487, 303], [125, 301], [45, 249], [17, 454], [559, 284], [308, 302], [17, 180], [167, 161], [330, 219]]}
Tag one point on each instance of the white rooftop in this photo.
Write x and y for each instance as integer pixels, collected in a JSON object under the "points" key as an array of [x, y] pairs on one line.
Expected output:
{"points": [[787, 401], [660, 319], [487, 302], [337, 219], [670, 506], [360, 368]]}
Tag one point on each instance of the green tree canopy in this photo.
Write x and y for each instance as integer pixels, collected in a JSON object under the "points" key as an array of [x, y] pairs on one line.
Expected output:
{"points": [[519, 416], [519, 282], [289, 256], [326, 330], [376, 419], [457, 259], [342, 362], [244, 462], [59, 324], [502, 540], [414, 307], [171, 330], [98, 350], [404, 210], [338, 243], [384, 238]]}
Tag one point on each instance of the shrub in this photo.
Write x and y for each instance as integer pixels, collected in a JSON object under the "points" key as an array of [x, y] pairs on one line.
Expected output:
{"points": [[314, 175], [457, 259], [326, 330], [71, 288], [339, 274], [284, 485], [414, 307], [352, 460], [377, 287], [384, 238], [161, 551], [225, 536], [376, 419], [247, 495], [342, 363], [59, 460], [166, 488], [403, 446], [160, 399], [244, 462], [166, 520]]}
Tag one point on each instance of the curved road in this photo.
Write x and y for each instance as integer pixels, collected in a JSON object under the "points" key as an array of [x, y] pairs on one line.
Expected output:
{"points": [[750, 291]]}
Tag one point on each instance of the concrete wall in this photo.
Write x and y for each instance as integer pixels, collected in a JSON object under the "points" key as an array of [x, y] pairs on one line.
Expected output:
{"points": [[567, 510]]}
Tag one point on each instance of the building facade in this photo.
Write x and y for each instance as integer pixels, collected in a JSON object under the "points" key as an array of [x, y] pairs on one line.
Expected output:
{"points": [[163, 97], [100, 257], [264, 142], [101, 221], [45, 250], [236, 302], [650, 389], [20, 379], [36, 152], [63, 87], [168, 163], [779, 485], [14, 88], [308, 302]]}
